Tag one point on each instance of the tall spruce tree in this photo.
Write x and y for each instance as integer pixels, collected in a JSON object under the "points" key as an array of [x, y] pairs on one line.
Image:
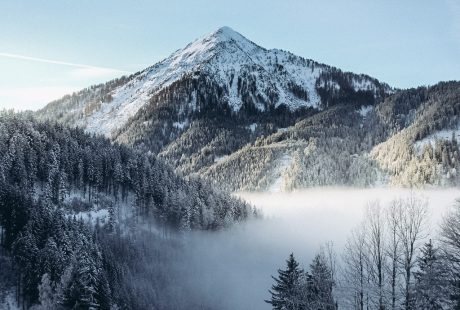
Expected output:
{"points": [[320, 284], [287, 290], [431, 286]]}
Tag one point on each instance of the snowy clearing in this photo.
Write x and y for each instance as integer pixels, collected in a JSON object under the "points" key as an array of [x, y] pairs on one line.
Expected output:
{"points": [[282, 165], [439, 135]]}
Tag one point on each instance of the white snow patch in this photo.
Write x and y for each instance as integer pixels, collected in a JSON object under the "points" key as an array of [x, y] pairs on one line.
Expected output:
{"points": [[364, 110], [219, 159], [364, 85], [180, 125], [438, 135], [93, 216], [281, 130], [283, 164], [252, 127]]}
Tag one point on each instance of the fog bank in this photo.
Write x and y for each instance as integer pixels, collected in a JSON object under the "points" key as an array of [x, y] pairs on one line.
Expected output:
{"points": [[231, 269]]}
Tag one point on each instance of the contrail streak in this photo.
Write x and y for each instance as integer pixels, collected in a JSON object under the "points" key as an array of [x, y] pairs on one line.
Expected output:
{"points": [[57, 62]]}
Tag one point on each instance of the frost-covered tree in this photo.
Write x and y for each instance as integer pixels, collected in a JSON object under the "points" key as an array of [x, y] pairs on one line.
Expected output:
{"points": [[411, 230], [355, 269], [46, 294], [450, 245], [431, 289], [376, 243], [319, 285], [393, 251], [286, 293]]}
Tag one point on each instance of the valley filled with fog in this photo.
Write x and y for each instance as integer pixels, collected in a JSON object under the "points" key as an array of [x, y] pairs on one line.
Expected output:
{"points": [[232, 268]]}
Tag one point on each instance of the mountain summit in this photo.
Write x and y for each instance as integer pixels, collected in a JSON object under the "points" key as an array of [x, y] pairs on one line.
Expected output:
{"points": [[243, 76], [239, 114]]}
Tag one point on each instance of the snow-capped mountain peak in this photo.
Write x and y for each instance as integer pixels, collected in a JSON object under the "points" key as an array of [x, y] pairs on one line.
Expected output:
{"points": [[242, 73], [227, 34]]}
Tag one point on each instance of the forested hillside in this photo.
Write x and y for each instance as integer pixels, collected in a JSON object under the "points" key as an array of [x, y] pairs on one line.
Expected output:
{"points": [[406, 139], [74, 208], [425, 127], [211, 99], [248, 118], [409, 139]]}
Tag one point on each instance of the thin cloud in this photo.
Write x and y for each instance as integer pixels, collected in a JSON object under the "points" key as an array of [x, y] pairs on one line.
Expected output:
{"points": [[63, 63]]}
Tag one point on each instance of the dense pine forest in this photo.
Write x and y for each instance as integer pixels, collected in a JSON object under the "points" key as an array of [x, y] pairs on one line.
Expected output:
{"points": [[58, 248]]}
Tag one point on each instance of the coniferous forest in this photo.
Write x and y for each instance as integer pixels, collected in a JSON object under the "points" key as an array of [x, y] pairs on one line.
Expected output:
{"points": [[53, 253]]}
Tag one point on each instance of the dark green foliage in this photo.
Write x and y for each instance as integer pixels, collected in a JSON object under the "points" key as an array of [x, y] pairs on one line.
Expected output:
{"points": [[50, 244], [319, 285], [337, 87], [41, 164], [66, 160], [287, 290], [432, 290], [295, 289]]}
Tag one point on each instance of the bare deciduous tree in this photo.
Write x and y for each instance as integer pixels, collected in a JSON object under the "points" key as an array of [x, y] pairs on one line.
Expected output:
{"points": [[375, 231], [393, 248], [412, 214], [355, 267]]}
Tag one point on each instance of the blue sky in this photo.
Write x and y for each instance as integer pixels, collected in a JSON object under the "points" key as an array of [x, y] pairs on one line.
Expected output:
{"points": [[50, 48]]}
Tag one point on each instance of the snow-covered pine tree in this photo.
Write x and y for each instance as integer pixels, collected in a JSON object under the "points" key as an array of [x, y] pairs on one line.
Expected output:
{"points": [[286, 293], [431, 281], [319, 285], [46, 294]]}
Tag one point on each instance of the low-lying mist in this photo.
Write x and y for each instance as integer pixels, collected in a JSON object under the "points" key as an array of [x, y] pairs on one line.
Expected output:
{"points": [[231, 269]]}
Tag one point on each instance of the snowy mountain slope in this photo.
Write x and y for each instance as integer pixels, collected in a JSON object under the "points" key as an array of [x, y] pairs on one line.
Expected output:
{"points": [[422, 145], [409, 139], [244, 72], [223, 105]]}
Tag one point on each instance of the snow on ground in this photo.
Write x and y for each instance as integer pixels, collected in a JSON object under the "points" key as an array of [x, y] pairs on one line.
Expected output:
{"points": [[226, 56], [363, 85], [283, 164], [219, 159], [282, 130], [252, 127], [438, 135], [364, 110], [92, 217], [9, 303], [180, 125]]}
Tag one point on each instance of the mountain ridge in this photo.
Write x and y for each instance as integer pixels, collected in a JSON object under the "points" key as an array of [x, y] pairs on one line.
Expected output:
{"points": [[250, 118], [228, 57]]}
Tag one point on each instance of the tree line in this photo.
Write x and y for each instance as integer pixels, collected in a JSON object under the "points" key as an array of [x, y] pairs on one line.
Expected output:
{"points": [[389, 262]]}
